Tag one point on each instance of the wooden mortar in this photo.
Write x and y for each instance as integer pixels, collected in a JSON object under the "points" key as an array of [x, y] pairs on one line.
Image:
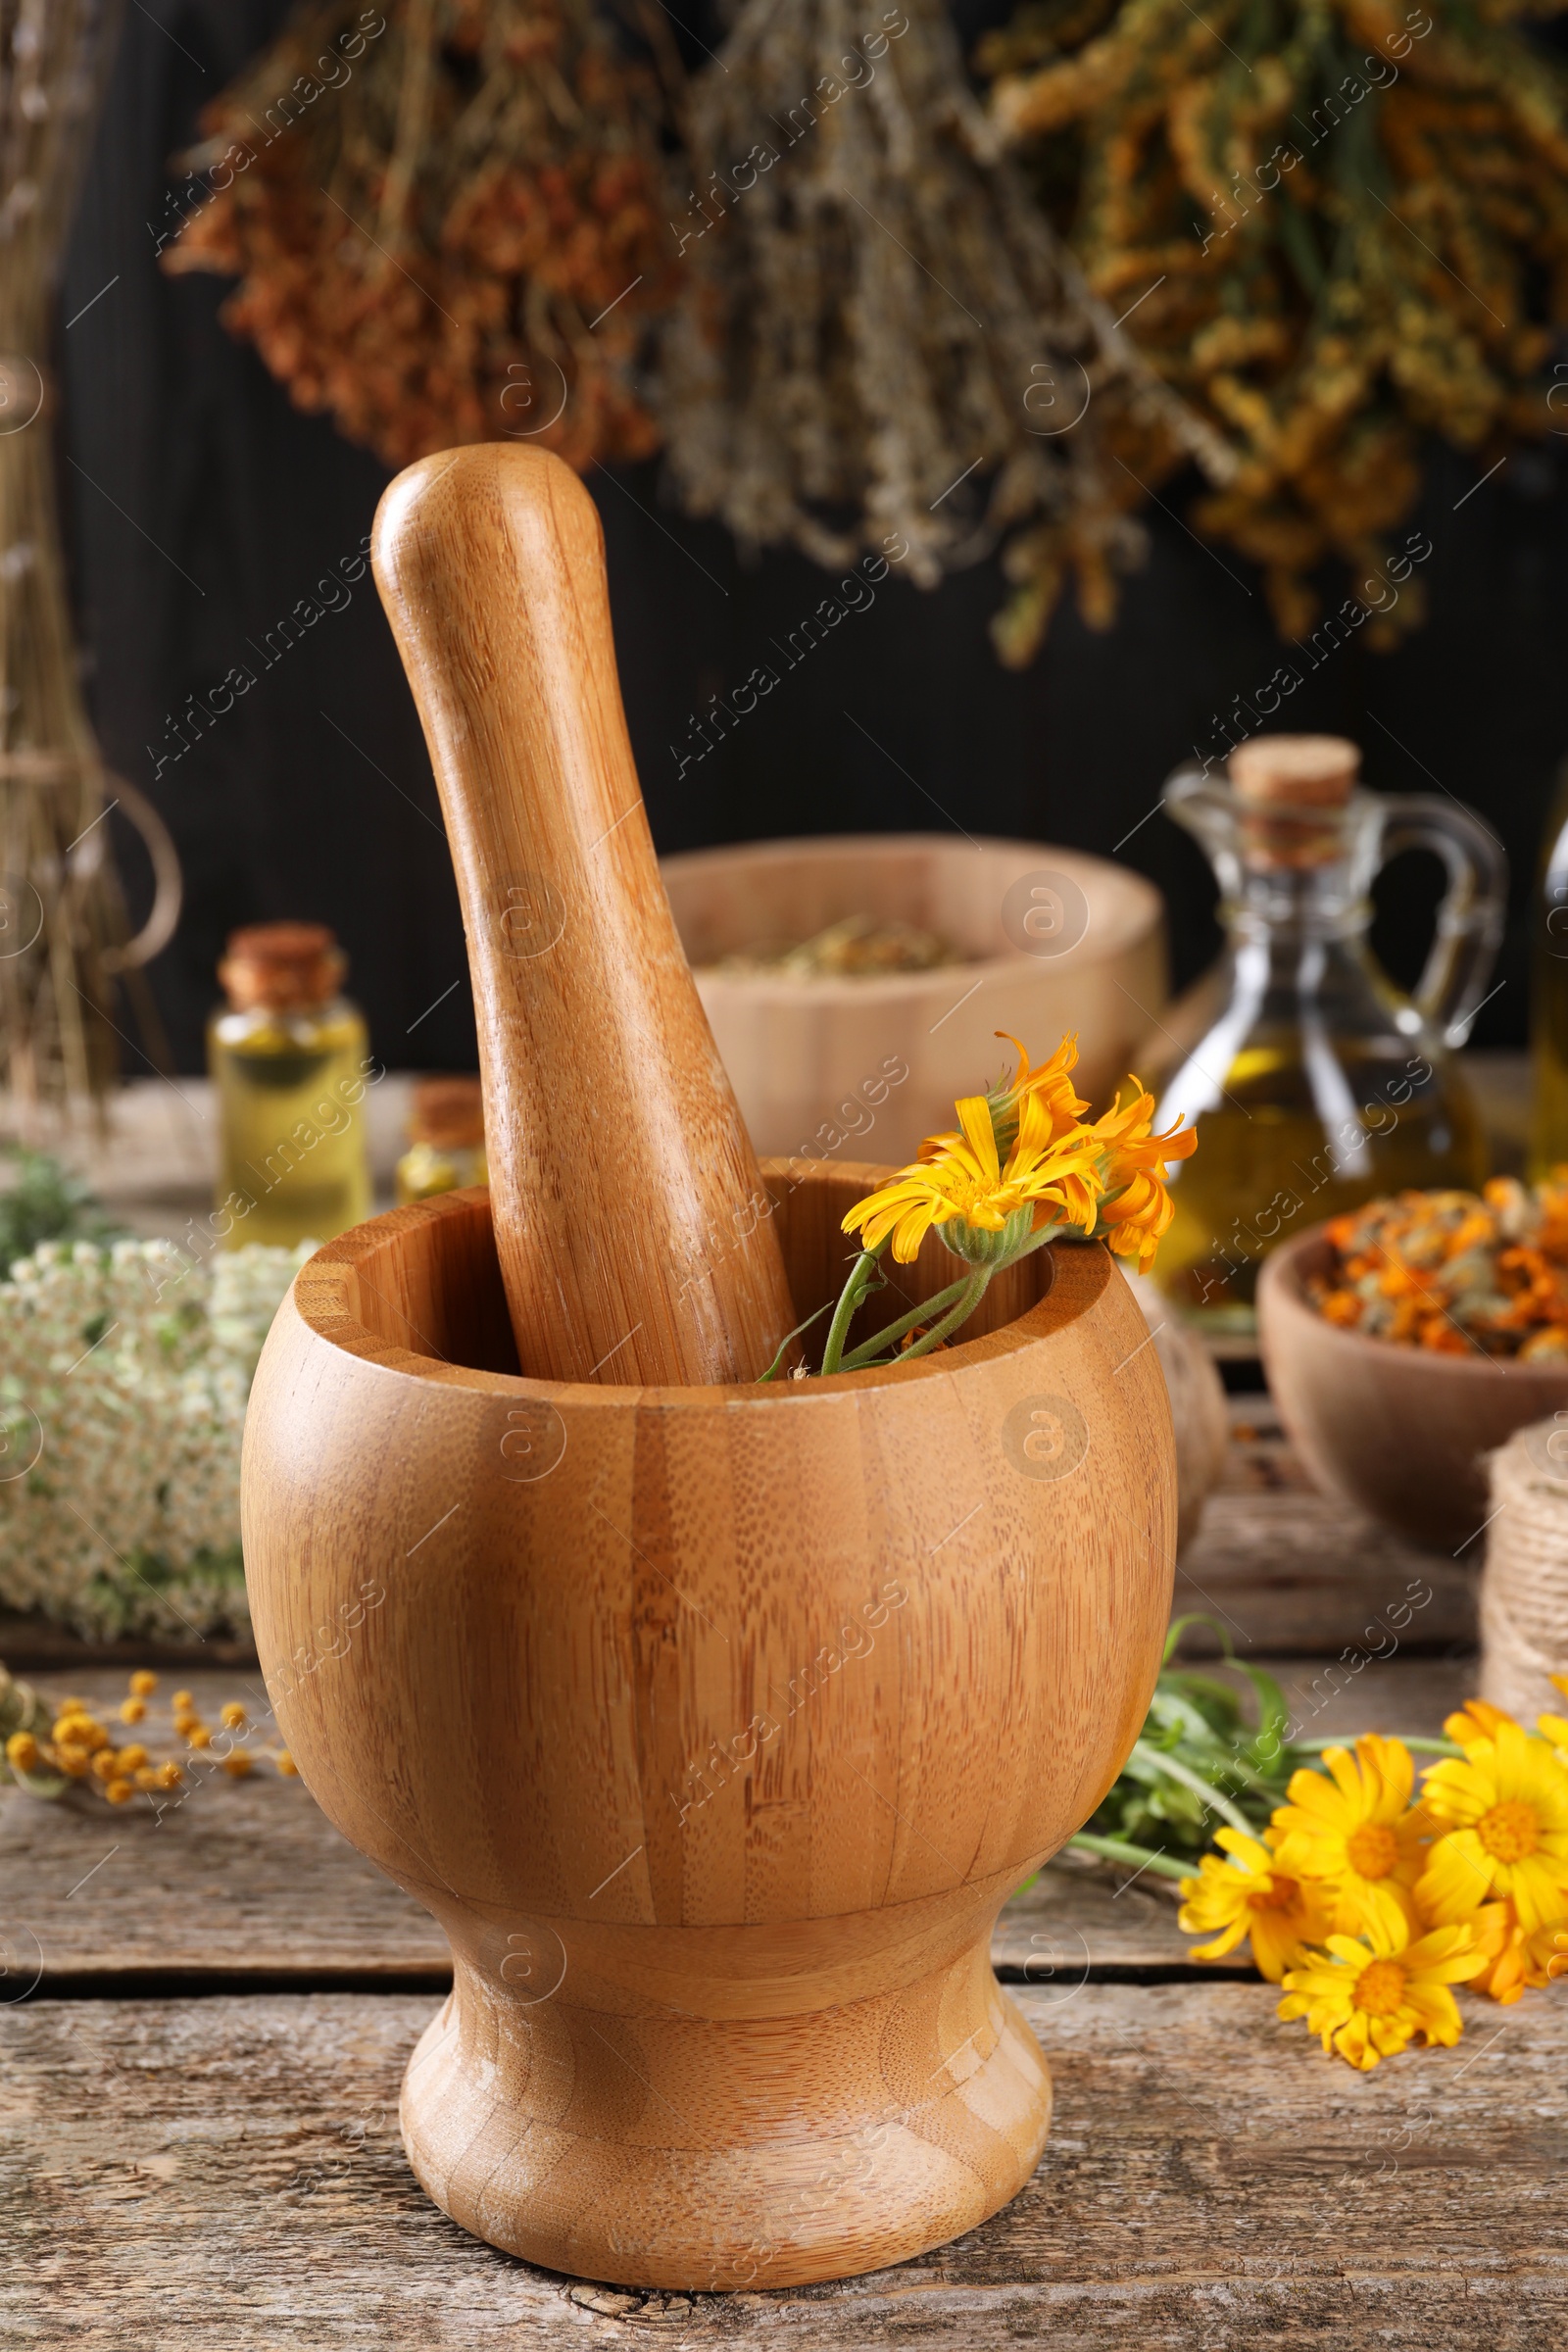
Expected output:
{"points": [[714, 1721], [714, 1724]]}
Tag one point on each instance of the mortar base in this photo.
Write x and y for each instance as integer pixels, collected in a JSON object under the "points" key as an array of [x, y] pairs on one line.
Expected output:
{"points": [[725, 2153]]}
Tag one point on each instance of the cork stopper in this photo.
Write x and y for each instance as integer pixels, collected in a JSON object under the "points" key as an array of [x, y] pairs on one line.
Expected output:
{"points": [[1292, 788], [282, 967], [448, 1113], [1307, 772]]}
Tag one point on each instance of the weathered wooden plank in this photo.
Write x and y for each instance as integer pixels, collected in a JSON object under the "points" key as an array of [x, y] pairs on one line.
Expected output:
{"points": [[229, 2171], [1290, 1571], [250, 1875]]}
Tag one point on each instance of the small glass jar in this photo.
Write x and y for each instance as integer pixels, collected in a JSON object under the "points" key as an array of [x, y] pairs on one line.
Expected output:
{"points": [[290, 1062], [446, 1139]]}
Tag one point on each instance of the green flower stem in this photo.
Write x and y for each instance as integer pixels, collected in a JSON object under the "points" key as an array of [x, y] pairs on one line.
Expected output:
{"points": [[1273, 1789], [922, 1314], [773, 1368], [1161, 1762], [974, 1290], [1417, 1745], [1116, 1850], [849, 1298]]}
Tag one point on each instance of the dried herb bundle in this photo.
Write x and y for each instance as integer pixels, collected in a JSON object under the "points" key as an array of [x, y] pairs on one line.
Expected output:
{"points": [[62, 921], [875, 313], [446, 223], [1343, 224]]}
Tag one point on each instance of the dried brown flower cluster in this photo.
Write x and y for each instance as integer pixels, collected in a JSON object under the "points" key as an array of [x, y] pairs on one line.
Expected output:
{"points": [[875, 317], [445, 218], [1343, 225]]}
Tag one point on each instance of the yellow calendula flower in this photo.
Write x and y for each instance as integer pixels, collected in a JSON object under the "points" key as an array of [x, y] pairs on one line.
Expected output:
{"points": [[1370, 1999], [1250, 1895], [1502, 1809], [1355, 1834], [1137, 1208], [984, 1210], [1516, 1957], [1051, 1086], [1477, 1718], [1555, 1727]]}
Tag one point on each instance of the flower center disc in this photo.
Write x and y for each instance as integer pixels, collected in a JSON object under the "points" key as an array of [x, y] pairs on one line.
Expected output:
{"points": [[1510, 1832], [1380, 1989], [1278, 1896], [1372, 1850]]}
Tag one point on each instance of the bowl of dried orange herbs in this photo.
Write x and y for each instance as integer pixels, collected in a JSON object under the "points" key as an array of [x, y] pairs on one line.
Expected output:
{"points": [[1406, 1338]]}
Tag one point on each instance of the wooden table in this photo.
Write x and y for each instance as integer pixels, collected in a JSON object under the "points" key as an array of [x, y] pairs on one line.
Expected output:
{"points": [[210, 2013], [204, 2019]]}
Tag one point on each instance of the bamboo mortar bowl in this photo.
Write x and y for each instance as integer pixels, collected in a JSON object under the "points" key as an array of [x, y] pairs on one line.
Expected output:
{"points": [[714, 1725]]}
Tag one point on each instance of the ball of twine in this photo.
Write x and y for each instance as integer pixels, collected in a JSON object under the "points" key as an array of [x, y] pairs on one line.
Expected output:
{"points": [[1523, 1589]]}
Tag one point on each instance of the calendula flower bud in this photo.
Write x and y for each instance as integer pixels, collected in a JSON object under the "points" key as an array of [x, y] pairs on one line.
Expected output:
{"points": [[119, 1791], [199, 1736], [182, 1703], [287, 1766], [130, 1759], [143, 1684], [22, 1751], [234, 1714], [237, 1765], [131, 1710]]}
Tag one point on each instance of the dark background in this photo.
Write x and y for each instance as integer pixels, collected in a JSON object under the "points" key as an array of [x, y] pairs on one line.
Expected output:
{"points": [[200, 506]]}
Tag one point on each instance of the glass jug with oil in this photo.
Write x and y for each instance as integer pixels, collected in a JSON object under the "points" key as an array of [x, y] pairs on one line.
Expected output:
{"points": [[290, 1060], [1313, 1081]]}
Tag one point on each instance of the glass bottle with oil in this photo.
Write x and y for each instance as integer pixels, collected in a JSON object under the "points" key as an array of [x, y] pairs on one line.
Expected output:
{"points": [[446, 1139], [289, 1058], [1548, 995], [1313, 1082]]}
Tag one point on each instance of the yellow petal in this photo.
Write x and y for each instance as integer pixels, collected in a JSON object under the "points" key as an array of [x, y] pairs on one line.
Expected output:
{"points": [[974, 1118]]}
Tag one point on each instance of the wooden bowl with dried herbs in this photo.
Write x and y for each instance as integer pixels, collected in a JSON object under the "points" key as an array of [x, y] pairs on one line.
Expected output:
{"points": [[1408, 1338], [855, 983]]}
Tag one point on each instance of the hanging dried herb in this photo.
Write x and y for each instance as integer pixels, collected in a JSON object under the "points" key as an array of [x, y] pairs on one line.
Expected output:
{"points": [[62, 927], [1343, 225], [445, 220], [875, 317]]}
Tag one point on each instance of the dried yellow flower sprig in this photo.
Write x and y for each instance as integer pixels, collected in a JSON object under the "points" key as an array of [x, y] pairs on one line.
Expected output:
{"points": [[1341, 229], [1367, 1900], [78, 1748]]}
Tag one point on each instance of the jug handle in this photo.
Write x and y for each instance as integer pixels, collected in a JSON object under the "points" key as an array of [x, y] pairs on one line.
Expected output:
{"points": [[1470, 918]]}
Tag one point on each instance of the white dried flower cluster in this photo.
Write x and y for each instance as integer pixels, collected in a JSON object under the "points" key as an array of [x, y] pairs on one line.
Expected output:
{"points": [[123, 1373]]}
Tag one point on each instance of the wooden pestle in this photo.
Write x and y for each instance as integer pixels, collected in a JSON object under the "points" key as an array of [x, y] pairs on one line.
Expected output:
{"points": [[625, 1190]]}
